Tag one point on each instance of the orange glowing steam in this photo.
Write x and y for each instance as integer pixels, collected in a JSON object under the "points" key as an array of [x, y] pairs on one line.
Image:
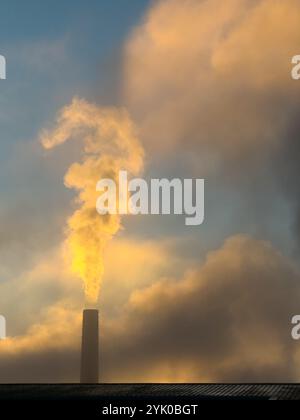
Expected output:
{"points": [[110, 145]]}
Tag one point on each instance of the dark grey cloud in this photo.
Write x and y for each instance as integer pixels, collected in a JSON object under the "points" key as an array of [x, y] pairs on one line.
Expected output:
{"points": [[229, 320]]}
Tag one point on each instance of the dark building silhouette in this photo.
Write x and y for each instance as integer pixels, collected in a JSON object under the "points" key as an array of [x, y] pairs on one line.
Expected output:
{"points": [[152, 393], [89, 373]]}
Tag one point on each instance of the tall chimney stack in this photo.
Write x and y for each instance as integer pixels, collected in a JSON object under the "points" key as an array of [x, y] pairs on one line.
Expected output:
{"points": [[89, 373]]}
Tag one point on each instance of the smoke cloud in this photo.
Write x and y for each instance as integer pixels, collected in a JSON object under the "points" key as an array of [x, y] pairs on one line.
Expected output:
{"points": [[227, 320], [213, 80], [110, 144]]}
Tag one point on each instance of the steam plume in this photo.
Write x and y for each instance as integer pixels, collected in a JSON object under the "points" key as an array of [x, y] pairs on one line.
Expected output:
{"points": [[110, 144]]}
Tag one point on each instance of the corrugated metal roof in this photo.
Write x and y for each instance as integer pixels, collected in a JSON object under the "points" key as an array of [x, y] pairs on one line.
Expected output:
{"points": [[201, 391]]}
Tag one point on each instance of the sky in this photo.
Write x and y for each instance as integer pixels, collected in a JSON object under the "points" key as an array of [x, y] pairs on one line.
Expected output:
{"points": [[165, 88]]}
